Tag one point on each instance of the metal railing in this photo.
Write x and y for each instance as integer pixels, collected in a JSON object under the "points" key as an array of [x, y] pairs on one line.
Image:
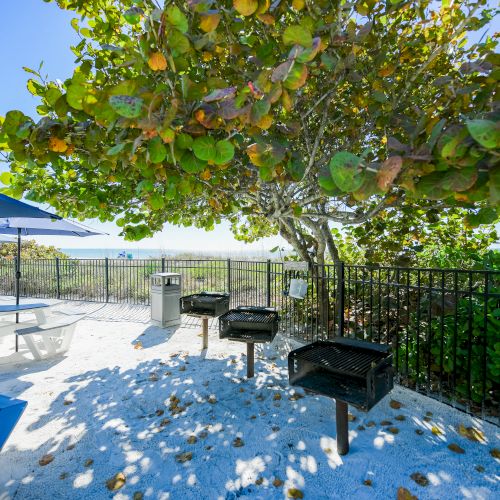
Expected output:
{"points": [[443, 324]]}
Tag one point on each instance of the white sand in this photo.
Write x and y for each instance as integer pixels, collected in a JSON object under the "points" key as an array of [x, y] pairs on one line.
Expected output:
{"points": [[111, 420]]}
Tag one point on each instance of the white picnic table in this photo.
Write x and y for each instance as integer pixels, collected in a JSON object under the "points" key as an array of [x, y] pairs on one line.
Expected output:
{"points": [[37, 308]]}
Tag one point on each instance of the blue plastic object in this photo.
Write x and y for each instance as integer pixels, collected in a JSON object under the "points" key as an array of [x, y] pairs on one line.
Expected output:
{"points": [[10, 413]]}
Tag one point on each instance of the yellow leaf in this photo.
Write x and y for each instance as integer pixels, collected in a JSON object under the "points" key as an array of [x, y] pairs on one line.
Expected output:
{"points": [[265, 122], [116, 482], [138, 345], [267, 19], [206, 174], [209, 22], [387, 70], [157, 61], [57, 145], [298, 4], [295, 493], [245, 7]]}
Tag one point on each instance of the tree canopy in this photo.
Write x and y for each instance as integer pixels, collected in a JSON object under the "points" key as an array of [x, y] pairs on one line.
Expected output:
{"points": [[30, 249], [280, 117]]}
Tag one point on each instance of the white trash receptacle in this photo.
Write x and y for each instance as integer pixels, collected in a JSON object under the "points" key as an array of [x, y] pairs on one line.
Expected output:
{"points": [[165, 299]]}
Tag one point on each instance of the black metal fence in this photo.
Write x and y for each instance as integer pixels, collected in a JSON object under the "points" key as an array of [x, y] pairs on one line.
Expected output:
{"points": [[443, 324]]}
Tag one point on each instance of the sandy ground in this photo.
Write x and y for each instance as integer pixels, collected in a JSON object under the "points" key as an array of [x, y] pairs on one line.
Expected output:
{"points": [[180, 423]]}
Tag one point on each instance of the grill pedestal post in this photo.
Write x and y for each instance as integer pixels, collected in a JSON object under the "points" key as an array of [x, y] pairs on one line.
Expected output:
{"points": [[250, 359], [342, 427], [204, 324]]}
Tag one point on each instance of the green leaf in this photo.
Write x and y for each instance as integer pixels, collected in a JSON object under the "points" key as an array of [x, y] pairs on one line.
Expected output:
{"points": [[117, 148], [458, 180], [204, 148], [183, 141], [266, 174], [6, 178], [13, 120], [295, 168], [133, 15], [297, 35], [126, 106], [156, 150], [177, 19], [296, 77], [266, 155], [156, 201], [191, 164], [346, 171], [75, 94], [224, 152], [486, 132], [259, 109], [245, 7], [484, 216], [178, 43], [494, 184]]}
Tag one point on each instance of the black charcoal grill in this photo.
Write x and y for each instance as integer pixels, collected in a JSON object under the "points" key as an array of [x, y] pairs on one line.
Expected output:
{"points": [[251, 325], [351, 371], [205, 305]]}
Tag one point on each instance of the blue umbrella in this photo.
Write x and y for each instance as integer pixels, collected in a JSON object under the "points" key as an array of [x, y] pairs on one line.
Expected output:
{"points": [[25, 226], [9, 207]]}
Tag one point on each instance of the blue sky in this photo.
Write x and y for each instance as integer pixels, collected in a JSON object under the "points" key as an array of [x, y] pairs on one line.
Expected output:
{"points": [[33, 31]]}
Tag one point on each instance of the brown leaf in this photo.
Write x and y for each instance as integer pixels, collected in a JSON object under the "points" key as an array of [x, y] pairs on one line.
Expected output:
{"points": [[277, 482], [495, 453], [371, 423], [393, 430], [385, 422], [46, 459], [212, 399], [70, 447], [295, 493], [420, 479], [116, 482], [184, 457], [238, 443], [419, 432], [351, 417], [367, 482], [479, 468], [277, 396], [386, 175], [192, 439], [404, 494], [159, 412], [455, 448], [88, 462], [471, 433], [401, 418], [361, 427], [63, 476], [138, 495], [296, 396], [259, 481], [67, 402], [396, 405], [138, 345]]}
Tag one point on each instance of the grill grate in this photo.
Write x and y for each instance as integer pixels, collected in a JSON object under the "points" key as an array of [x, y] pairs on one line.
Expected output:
{"points": [[250, 317], [351, 361]]}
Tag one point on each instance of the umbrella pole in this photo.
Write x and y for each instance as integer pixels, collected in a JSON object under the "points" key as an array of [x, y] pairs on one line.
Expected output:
{"points": [[18, 279]]}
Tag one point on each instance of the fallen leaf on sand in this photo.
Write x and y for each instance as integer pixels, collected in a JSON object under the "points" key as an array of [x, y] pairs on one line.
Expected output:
{"points": [[393, 430], [67, 402], [420, 479], [428, 413], [164, 422], [116, 482], [296, 396], [192, 439], [401, 418], [153, 377], [419, 432], [371, 423], [159, 412], [212, 399], [404, 494], [63, 476], [70, 447], [138, 495], [241, 389], [455, 448], [436, 431], [361, 427], [277, 482], [396, 405], [295, 493], [277, 397], [184, 457], [275, 428], [367, 482], [427, 419], [88, 462], [351, 417], [182, 368], [471, 433], [259, 481], [46, 459], [495, 453], [479, 468], [238, 443], [167, 374], [385, 422], [138, 345]]}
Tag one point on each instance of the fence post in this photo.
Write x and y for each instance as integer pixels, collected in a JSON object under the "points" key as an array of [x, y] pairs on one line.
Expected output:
{"points": [[106, 277], [163, 264], [229, 275], [268, 274], [58, 279], [340, 298]]}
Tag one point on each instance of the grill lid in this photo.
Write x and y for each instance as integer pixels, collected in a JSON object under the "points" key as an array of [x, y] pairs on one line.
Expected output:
{"points": [[250, 316]]}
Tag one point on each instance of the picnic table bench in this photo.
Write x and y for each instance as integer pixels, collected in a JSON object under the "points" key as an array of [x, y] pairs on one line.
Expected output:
{"points": [[10, 413]]}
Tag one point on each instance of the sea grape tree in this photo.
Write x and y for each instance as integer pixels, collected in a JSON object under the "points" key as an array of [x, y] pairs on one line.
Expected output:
{"points": [[281, 117]]}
